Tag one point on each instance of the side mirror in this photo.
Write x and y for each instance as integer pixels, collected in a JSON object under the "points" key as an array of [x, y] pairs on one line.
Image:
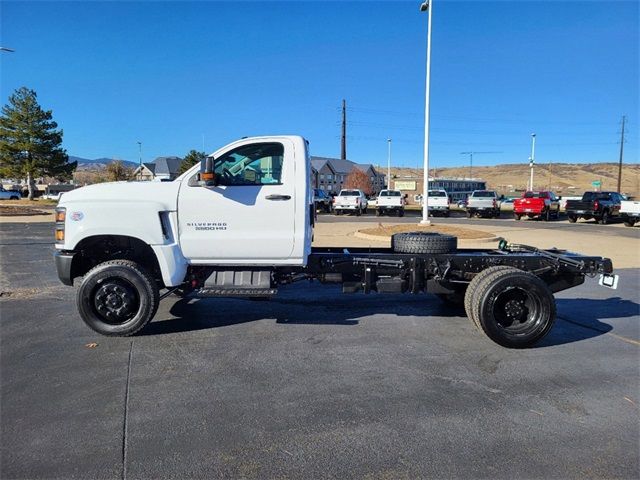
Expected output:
{"points": [[207, 176]]}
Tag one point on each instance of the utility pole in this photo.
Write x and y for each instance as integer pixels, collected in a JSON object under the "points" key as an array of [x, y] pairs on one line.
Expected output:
{"points": [[426, 6], [621, 151], [140, 161], [471, 154], [343, 145], [389, 165]]}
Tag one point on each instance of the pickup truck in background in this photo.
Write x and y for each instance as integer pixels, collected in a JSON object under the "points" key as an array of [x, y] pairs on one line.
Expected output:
{"points": [[537, 204], [390, 202], [630, 212], [241, 225], [483, 203], [438, 203], [601, 206], [350, 200], [9, 194]]}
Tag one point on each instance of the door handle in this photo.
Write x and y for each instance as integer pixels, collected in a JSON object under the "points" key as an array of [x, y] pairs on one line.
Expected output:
{"points": [[278, 197]]}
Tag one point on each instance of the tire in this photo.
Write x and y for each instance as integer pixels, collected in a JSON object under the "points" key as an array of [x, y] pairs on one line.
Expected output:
{"points": [[401, 213], [496, 214], [629, 222], [14, 198], [472, 289], [378, 213], [359, 212], [469, 214], [338, 212], [572, 219], [107, 289], [546, 215], [423, 242], [513, 308], [604, 219], [517, 217]]}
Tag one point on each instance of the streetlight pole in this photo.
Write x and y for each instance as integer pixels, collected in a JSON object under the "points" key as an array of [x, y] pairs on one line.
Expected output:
{"points": [[139, 160], [389, 164], [532, 159], [427, 6]]}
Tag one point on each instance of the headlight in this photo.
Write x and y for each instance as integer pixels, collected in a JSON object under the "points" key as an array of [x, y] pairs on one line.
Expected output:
{"points": [[60, 215]]}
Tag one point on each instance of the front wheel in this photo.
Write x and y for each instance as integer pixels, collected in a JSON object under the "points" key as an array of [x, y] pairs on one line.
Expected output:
{"points": [[517, 217], [629, 222], [378, 212], [572, 218], [117, 298], [514, 308]]}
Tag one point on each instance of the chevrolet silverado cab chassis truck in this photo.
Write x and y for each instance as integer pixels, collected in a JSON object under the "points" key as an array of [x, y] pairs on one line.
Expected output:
{"points": [[241, 225]]}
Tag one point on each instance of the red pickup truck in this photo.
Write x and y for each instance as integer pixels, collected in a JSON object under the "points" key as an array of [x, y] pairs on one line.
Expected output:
{"points": [[537, 204]]}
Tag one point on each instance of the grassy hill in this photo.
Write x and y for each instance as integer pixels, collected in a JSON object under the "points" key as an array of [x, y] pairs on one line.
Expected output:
{"points": [[562, 178]]}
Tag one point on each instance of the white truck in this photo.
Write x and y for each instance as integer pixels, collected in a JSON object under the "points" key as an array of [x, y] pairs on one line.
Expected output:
{"points": [[630, 212], [390, 202], [350, 201], [483, 203], [439, 203], [241, 225]]}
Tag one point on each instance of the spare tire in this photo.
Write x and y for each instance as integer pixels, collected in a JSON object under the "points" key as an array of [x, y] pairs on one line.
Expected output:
{"points": [[423, 242]]}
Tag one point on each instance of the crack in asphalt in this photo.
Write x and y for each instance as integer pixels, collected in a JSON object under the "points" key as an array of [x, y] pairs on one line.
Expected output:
{"points": [[125, 423]]}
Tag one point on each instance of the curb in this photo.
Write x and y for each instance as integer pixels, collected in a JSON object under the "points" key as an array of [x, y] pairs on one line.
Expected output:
{"points": [[462, 241]]}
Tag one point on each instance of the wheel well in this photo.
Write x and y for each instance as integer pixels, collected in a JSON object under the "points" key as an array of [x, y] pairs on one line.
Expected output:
{"points": [[101, 248]]}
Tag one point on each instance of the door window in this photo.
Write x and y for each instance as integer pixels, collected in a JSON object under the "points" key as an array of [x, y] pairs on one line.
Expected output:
{"points": [[255, 164]]}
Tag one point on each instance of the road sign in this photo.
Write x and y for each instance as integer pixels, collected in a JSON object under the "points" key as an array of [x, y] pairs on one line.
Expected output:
{"points": [[596, 183]]}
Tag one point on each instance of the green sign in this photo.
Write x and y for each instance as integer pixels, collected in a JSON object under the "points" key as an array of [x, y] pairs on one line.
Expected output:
{"points": [[596, 183]]}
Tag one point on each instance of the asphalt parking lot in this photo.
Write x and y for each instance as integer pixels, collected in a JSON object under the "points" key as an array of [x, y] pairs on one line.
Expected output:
{"points": [[313, 384]]}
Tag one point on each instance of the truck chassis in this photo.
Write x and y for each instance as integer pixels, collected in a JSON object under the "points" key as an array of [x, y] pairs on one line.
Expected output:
{"points": [[507, 292]]}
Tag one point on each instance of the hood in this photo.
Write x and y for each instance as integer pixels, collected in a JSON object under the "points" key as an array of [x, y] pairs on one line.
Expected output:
{"points": [[163, 193]]}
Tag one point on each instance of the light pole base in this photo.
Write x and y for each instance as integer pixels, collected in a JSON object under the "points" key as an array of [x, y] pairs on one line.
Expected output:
{"points": [[425, 222]]}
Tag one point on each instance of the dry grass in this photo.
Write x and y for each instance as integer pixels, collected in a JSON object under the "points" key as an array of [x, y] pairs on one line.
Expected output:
{"points": [[23, 202], [13, 211], [460, 232]]}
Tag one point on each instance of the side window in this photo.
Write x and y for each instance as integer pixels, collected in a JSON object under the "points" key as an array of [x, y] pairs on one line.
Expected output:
{"points": [[255, 164]]}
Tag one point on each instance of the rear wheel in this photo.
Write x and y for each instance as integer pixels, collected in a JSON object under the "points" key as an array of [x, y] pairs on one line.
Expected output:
{"points": [[546, 215], [469, 214], [359, 212], [423, 242], [572, 218], [117, 298], [14, 197], [378, 212], [517, 216], [604, 219], [629, 222], [514, 308]]}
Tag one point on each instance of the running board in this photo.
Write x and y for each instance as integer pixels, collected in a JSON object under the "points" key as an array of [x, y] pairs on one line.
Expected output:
{"points": [[238, 283]]}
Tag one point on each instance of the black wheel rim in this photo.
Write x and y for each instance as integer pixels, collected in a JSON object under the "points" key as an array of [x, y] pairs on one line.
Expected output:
{"points": [[516, 311], [115, 301]]}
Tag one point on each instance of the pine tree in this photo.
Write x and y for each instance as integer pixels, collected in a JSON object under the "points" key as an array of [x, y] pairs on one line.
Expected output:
{"points": [[30, 144], [190, 160]]}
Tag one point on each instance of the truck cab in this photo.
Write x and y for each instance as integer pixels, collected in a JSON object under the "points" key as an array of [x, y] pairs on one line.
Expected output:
{"points": [[257, 209]]}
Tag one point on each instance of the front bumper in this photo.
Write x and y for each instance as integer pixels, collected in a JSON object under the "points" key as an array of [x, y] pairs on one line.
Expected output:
{"points": [[64, 260]]}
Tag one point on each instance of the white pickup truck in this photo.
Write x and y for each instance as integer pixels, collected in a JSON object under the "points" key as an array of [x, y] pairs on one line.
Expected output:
{"points": [[439, 203], [241, 225], [483, 203], [350, 200], [389, 202], [630, 212]]}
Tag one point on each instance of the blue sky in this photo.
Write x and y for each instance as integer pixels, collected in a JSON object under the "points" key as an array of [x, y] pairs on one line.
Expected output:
{"points": [[167, 73]]}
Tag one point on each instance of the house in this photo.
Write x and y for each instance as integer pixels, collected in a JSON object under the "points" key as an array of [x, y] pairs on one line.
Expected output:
{"points": [[329, 174], [161, 169]]}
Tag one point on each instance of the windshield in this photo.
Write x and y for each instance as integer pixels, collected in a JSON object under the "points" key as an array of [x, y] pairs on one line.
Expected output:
{"points": [[390, 193], [483, 194], [349, 193], [437, 193], [535, 195]]}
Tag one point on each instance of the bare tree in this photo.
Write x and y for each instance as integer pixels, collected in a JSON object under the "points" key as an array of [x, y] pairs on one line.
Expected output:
{"points": [[117, 171]]}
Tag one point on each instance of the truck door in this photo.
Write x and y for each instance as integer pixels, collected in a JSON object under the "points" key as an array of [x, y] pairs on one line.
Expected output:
{"points": [[249, 216]]}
